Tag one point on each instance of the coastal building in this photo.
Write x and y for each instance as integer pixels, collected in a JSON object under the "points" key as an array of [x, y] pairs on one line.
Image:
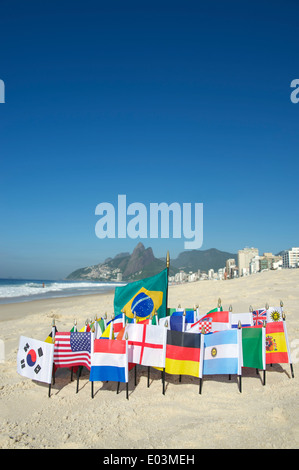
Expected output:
{"points": [[230, 267], [254, 265], [290, 258], [245, 256], [268, 261]]}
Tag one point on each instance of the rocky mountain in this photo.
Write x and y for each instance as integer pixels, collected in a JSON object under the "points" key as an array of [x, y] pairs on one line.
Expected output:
{"points": [[142, 263], [192, 260]]}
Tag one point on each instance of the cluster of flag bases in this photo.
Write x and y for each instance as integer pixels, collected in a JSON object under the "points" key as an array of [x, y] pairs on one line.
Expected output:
{"points": [[199, 336], [214, 344]]}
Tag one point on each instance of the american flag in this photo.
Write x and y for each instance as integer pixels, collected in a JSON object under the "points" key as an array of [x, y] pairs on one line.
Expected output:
{"points": [[72, 349], [258, 316]]}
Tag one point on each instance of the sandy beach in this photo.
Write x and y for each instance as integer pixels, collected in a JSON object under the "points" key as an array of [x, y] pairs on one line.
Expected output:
{"points": [[263, 417]]}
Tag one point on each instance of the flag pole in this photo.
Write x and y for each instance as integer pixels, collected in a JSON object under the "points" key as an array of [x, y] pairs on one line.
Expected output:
{"points": [[75, 330], [127, 366], [201, 358], [148, 367], [163, 371], [53, 341], [183, 329], [91, 354], [264, 352], [53, 369], [240, 369], [167, 267], [287, 341], [230, 309]]}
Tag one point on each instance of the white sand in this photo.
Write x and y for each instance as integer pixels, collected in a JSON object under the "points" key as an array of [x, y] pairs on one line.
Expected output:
{"points": [[259, 417]]}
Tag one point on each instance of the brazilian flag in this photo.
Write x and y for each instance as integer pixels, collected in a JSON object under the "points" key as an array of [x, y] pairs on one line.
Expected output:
{"points": [[142, 297]]}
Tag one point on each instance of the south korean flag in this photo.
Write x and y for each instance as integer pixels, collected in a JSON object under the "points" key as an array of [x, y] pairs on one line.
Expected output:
{"points": [[35, 359]]}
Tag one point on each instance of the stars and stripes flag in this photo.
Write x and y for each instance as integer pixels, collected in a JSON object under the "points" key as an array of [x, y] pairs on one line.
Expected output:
{"points": [[259, 316], [72, 349]]}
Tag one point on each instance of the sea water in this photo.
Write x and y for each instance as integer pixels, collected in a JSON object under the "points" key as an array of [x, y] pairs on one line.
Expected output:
{"points": [[22, 290]]}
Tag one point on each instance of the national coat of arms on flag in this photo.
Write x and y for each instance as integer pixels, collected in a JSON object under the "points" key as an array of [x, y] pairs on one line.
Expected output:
{"points": [[220, 319], [35, 359], [276, 343], [199, 325]]}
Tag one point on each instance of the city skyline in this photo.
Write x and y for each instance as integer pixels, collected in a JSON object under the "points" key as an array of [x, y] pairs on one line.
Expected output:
{"points": [[165, 102]]}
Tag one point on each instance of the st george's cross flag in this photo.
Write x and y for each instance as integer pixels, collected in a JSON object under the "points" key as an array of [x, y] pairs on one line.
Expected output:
{"points": [[35, 359], [223, 352], [146, 344], [109, 361], [183, 354], [72, 349], [142, 297]]}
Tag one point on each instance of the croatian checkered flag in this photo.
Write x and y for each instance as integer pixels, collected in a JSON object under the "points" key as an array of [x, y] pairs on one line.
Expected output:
{"points": [[197, 327], [35, 359]]}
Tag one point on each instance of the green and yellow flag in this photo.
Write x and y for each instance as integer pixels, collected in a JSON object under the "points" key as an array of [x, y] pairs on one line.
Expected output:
{"points": [[142, 297]]}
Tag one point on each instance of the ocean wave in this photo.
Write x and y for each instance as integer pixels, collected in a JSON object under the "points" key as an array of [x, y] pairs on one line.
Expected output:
{"points": [[28, 289]]}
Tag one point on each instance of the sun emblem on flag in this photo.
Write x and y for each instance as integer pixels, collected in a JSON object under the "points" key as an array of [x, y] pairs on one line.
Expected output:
{"points": [[214, 352], [275, 315]]}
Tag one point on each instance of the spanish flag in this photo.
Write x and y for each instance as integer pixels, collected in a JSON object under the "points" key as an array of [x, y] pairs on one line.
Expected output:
{"points": [[276, 344], [182, 353]]}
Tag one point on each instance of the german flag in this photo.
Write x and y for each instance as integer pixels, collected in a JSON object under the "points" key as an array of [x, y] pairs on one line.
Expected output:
{"points": [[276, 345], [182, 353]]}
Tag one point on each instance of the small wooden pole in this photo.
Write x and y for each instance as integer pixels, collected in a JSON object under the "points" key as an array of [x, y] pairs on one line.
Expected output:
{"points": [[240, 375], [264, 352], [201, 358]]}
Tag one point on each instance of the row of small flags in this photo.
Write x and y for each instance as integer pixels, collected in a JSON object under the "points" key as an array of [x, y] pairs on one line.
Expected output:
{"points": [[222, 343]]}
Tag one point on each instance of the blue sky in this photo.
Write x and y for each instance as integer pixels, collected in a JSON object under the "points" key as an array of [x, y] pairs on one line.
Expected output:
{"points": [[162, 101]]}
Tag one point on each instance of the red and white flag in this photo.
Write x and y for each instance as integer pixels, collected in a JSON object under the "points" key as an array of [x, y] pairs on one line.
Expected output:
{"points": [[146, 344], [199, 325], [220, 320]]}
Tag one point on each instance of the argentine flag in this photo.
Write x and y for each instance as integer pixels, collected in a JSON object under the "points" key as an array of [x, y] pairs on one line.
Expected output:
{"points": [[222, 352]]}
